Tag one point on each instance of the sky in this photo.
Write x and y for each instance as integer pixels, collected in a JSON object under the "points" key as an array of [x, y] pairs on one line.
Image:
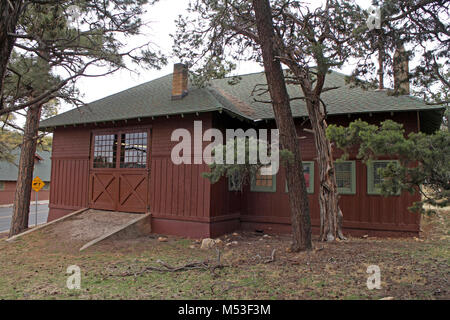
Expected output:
{"points": [[161, 17]]}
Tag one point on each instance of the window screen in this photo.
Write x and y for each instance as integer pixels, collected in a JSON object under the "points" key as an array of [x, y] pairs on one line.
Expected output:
{"points": [[374, 176], [105, 147], [345, 177], [133, 150], [263, 182], [377, 177]]}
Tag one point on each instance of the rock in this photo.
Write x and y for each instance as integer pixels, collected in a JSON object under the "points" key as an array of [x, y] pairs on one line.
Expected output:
{"points": [[162, 239], [192, 246], [218, 242], [235, 234], [234, 243], [207, 243], [387, 298], [266, 236], [365, 236]]}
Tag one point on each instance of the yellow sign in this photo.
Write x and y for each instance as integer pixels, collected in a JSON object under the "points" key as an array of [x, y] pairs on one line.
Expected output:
{"points": [[37, 184]]}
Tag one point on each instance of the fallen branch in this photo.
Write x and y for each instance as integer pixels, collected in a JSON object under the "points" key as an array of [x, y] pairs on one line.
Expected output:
{"points": [[268, 259], [196, 265]]}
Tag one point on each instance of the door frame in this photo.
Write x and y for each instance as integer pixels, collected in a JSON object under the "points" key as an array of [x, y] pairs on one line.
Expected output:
{"points": [[117, 172]]}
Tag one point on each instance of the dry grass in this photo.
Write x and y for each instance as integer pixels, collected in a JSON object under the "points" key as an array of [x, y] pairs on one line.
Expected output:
{"points": [[35, 267]]}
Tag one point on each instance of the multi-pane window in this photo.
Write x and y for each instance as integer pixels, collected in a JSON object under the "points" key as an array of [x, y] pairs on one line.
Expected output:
{"points": [[345, 177], [374, 175], [133, 150], [2, 185], [105, 148], [263, 182], [308, 173], [46, 186]]}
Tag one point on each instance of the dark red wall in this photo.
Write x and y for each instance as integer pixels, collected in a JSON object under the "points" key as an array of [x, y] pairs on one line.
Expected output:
{"points": [[70, 171], [363, 213], [182, 202], [179, 197], [7, 194]]}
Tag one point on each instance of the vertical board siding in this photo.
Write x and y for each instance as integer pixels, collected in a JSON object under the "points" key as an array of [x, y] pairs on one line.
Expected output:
{"points": [[70, 168], [69, 183], [361, 211], [180, 192], [177, 191]]}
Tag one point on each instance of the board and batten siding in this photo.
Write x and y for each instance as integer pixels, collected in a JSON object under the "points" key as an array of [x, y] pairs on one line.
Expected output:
{"points": [[363, 213], [184, 203], [178, 195], [70, 171]]}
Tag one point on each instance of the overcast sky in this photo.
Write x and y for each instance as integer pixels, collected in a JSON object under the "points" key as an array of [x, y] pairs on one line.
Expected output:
{"points": [[161, 17]]}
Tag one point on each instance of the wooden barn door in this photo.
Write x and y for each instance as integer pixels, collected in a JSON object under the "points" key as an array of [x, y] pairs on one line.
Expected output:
{"points": [[119, 174]]}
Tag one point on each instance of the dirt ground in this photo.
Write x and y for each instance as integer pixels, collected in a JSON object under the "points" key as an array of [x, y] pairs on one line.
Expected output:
{"points": [[35, 267], [88, 226]]}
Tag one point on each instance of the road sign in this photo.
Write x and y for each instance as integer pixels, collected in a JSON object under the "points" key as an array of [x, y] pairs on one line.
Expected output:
{"points": [[37, 184]]}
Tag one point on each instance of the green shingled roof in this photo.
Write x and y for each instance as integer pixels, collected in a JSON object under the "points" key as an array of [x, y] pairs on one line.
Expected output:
{"points": [[153, 98], [9, 171]]}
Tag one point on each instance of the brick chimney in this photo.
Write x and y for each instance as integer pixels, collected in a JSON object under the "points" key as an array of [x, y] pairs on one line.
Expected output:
{"points": [[179, 81], [401, 71]]}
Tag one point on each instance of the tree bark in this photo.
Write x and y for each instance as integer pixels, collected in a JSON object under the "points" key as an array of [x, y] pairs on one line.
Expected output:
{"points": [[331, 216], [330, 213], [298, 199], [9, 16], [21, 208]]}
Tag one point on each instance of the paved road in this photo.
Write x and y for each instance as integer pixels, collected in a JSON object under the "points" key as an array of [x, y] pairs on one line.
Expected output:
{"points": [[6, 214]]}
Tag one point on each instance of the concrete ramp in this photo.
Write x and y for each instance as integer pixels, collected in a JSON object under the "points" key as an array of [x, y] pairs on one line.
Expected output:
{"points": [[137, 227], [87, 227]]}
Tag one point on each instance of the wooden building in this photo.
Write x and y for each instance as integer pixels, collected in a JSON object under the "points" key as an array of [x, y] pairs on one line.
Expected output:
{"points": [[115, 154], [9, 172]]}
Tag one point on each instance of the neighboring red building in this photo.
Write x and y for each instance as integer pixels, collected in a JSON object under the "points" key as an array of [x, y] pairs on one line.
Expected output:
{"points": [[115, 154], [9, 172]]}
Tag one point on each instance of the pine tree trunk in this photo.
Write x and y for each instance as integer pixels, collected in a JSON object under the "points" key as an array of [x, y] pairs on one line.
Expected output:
{"points": [[21, 208], [330, 213], [9, 16], [298, 199]]}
